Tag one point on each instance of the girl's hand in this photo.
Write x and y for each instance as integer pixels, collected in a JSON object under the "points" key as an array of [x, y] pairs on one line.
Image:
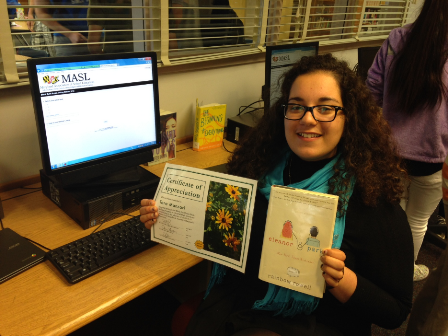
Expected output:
{"points": [[340, 280], [148, 212], [333, 266]]}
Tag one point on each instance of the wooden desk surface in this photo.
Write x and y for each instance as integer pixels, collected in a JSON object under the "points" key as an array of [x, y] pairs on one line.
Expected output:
{"points": [[19, 26], [40, 302], [21, 58]]}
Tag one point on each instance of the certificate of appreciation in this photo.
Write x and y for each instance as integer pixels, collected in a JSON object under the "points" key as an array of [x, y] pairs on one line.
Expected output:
{"points": [[205, 213]]}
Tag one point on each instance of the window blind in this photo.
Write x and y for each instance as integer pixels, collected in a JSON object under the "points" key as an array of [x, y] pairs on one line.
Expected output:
{"points": [[183, 31]]}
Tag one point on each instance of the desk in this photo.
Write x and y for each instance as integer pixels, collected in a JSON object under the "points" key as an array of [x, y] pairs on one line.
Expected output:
{"points": [[40, 301], [19, 28]]}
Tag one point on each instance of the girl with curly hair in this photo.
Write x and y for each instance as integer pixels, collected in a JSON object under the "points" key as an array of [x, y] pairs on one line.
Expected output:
{"points": [[324, 133]]}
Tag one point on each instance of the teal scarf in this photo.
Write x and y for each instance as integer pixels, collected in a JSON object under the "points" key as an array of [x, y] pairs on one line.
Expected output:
{"points": [[279, 299]]}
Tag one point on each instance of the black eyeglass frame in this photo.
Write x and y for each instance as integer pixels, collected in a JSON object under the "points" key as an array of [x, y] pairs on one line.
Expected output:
{"points": [[311, 110]]}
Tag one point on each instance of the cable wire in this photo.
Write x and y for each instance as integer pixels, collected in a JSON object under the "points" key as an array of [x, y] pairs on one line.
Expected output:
{"points": [[37, 244], [223, 145], [250, 106], [21, 195], [105, 219]]}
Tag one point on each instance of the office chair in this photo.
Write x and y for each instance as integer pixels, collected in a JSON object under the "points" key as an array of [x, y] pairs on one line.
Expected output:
{"points": [[184, 313]]}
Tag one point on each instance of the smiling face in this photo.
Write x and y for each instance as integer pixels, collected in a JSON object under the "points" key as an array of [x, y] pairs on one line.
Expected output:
{"points": [[309, 139]]}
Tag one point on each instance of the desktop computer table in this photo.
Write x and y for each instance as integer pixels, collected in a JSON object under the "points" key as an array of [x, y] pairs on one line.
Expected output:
{"points": [[41, 302]]}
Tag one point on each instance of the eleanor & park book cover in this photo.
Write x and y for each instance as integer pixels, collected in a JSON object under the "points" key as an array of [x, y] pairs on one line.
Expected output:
{"points": [[299, 226]]}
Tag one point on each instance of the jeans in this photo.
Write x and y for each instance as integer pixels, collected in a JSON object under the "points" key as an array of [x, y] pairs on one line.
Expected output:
{"points": [[420, 199], [69, 50], [33, 53]]}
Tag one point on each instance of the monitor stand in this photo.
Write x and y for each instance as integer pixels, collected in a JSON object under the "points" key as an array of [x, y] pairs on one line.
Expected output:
{"points": [[129, 176]]}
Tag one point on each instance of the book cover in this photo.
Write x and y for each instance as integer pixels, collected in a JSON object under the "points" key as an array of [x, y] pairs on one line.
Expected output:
{"points": [[209, 126], [167, 150], [299, 225]]}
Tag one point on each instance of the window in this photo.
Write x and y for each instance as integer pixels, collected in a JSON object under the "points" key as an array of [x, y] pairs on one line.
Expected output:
{"points": [[333, 21], [183, 31]]}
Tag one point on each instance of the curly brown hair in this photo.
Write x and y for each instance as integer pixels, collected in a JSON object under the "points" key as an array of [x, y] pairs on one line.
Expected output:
{"points": [[368, 152]]}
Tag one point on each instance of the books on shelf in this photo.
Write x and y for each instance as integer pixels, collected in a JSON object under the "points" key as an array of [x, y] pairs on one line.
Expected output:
{"points": [[167, 150], [376, 3], [209, 126], [371, 16], [299, 226]]}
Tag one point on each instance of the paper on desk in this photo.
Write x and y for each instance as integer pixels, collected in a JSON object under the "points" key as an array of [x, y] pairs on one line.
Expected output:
{"points": [[205, 213]]}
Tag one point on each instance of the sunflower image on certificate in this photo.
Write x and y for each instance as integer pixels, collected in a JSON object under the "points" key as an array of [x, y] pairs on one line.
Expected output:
{"points": [[225, 218]]}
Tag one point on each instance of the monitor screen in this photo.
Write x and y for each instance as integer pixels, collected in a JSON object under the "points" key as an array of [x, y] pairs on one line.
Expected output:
{"points": [[366, 56], [95, 111], [280, 59]]}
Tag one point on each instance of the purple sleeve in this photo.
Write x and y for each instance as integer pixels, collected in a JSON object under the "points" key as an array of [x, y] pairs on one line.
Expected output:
{"points": [[376, 73]]}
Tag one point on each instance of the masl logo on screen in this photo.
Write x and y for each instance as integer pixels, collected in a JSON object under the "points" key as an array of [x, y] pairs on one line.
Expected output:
{"points": [[70, 78], [50, 79]]}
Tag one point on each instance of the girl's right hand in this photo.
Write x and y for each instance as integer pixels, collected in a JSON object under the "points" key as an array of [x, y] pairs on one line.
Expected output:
{"points": [[148, 212]]}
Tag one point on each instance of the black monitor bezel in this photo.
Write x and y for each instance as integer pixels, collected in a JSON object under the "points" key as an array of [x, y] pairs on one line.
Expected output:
{"points": [[366, 57], [138, 154], [268, 64]]}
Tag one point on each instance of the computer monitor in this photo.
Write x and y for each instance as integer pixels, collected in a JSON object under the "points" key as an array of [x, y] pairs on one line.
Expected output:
{"points": [[96, 115], [366, 56], [280, 59]]}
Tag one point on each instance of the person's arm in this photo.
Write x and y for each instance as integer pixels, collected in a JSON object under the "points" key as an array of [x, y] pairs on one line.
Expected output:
{"points": [[30, 15], [177, 11], [379, 249], [42, 13], [445, 187], [173, 42], [95, 17], [376, 73], [95, 37]]}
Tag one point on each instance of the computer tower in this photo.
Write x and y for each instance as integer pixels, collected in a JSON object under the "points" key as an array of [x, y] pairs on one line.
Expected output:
{"points": [[92, 205], [239, 126]]}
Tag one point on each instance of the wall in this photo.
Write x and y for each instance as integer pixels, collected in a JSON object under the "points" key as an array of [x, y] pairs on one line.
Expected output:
{"points": [[235, 86], [19, 148]]}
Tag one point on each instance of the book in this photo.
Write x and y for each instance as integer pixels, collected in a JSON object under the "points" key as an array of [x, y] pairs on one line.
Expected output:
{"points": [[209, 126], [205, 213], [167, 150], [299, 226]]}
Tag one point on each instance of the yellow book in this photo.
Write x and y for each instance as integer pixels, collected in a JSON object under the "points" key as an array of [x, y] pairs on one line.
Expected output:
{"points": [[299, 225], [209, 126]]}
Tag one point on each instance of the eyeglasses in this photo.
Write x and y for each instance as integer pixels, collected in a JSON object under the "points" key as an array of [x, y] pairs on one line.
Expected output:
{"points": [[322, 113]]}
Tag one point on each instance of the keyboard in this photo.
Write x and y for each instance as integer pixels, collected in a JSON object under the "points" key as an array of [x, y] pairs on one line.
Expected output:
{"points": [[89, 255]]}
